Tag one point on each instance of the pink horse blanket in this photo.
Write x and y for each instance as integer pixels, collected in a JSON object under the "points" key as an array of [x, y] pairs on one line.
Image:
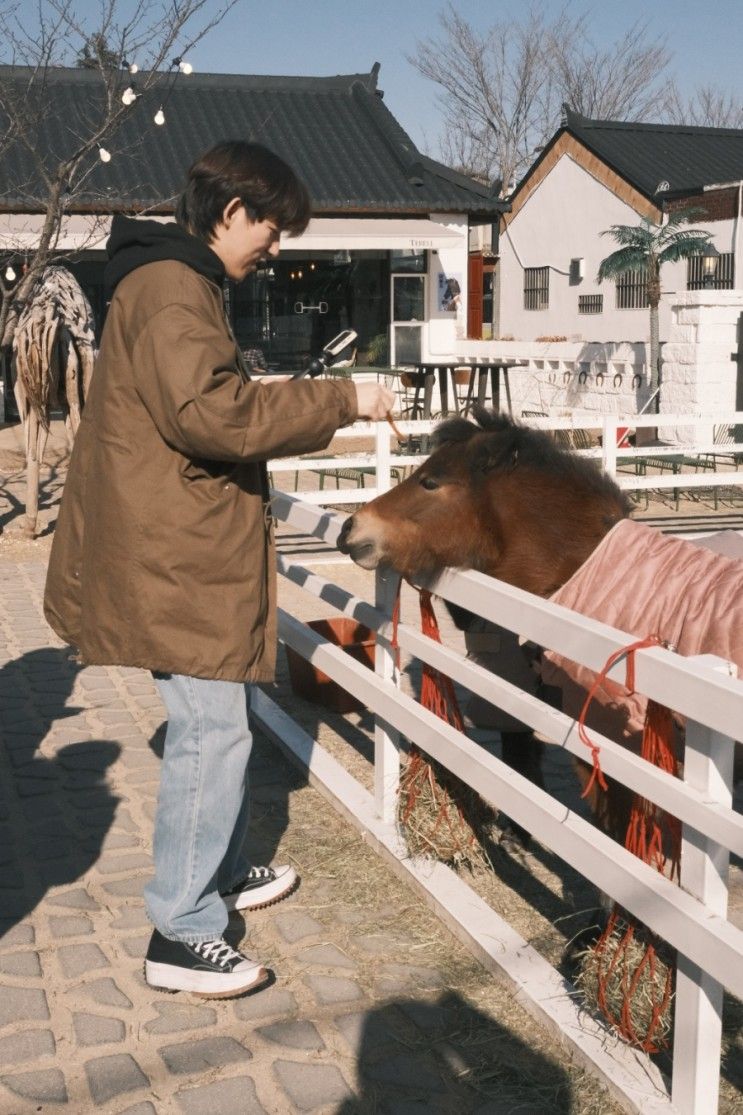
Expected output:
{"points": [[647, 583]]}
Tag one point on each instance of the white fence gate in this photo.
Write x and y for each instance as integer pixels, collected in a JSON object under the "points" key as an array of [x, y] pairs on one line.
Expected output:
{"points": [[692, 917]]}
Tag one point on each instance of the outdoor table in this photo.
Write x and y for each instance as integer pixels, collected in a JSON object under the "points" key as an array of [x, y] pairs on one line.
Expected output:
{"points": [[480, 372]]}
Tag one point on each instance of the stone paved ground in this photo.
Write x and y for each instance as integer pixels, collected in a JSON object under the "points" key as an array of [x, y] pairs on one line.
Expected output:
{"points": [[375, 1007]]}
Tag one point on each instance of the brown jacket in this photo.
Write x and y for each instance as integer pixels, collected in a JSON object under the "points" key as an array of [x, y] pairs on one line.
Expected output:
{"points": [[163, 551]]}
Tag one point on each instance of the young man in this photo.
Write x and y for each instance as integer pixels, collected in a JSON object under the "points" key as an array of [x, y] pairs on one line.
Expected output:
{"points": [[163, 552]]}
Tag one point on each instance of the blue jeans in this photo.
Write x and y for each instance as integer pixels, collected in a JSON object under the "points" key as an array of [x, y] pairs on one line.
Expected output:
{"points": [[202, 807]]}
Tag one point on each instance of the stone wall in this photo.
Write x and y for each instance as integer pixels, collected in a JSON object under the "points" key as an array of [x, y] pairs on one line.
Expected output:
{"points": [[560, 377], [700, 366]]}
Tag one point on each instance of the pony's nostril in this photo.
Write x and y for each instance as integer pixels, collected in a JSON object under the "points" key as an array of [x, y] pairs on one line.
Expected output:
{"points": [[343, 536]]}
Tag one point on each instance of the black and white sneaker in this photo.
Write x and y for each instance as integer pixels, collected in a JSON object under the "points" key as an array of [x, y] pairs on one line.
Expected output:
{"points": [[262, 886], [211, 969]]}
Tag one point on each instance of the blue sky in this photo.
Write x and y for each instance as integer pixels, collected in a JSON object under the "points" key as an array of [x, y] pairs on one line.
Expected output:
{"points": [[347, 36]]}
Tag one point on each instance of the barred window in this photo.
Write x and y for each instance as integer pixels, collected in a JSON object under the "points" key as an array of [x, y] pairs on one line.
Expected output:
{"points": [[536, 288], [632, 289], [590, 303], [723, 278]]}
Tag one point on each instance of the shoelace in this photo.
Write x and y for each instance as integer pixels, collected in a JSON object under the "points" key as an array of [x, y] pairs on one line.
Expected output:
{"points": [[218, 952], [259, 873]]}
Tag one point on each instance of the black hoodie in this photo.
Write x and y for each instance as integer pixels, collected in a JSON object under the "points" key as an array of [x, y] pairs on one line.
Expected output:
{"points": [[135, 242]]}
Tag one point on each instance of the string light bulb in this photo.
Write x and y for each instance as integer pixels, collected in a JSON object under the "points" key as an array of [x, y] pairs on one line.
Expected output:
{"points": [[10, 275], [159, 117], [134, 68], [128, 97], [103, 154], [183, 66]]}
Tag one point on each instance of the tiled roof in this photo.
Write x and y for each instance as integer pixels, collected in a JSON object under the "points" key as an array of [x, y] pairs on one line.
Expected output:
{"points": [[646, 155], [335, 131]]}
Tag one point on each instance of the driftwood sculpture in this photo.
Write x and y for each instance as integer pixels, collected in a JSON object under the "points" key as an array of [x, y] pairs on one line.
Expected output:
{"points": [[53, 352]]}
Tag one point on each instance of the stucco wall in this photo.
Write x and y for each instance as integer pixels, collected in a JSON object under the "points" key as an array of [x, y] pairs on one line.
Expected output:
{"points": [[445, 328], [564, 219]]}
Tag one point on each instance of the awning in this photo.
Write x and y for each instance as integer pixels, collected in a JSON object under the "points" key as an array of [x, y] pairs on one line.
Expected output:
{"points": [[81, 232], [20, 232], [359, 233]]}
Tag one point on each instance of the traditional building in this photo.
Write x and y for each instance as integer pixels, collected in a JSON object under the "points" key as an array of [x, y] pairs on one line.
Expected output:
{"points": [[386, 251]]}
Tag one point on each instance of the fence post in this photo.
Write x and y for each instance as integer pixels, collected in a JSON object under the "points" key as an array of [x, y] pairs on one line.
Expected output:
{"points": [[383, 475], [609, 445], [386, 739], [708, 766]]}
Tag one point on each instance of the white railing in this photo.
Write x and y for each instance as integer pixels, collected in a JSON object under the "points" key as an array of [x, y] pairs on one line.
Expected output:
{"points": [[691, 917], [379, 462]]}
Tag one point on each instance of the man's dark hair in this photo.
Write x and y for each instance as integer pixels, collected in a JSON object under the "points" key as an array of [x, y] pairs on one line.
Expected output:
{"points": [[268, 188]]}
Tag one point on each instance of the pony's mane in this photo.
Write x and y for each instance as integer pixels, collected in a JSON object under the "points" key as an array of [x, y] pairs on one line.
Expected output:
{"points": [[511, 443]]}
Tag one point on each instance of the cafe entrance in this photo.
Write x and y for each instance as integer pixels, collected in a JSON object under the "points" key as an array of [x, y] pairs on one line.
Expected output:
{"points": [[294, 305]]}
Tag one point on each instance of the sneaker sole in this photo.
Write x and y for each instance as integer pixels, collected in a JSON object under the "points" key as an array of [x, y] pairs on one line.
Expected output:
{"points": [[243, 901], [168, 977]]}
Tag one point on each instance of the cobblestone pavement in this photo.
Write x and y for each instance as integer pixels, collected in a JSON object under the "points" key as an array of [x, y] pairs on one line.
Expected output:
{"points": [[360, 1018]]}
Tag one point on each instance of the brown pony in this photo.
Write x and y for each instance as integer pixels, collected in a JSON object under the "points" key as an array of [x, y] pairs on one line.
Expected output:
{"points": [[503, 499], [494, 496]]}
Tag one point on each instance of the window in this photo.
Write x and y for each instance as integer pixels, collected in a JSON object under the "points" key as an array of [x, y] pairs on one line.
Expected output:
{"points": [[590, 303], [536, 288], [408, 304], [723, 278], [409, 259], [632, 289]]}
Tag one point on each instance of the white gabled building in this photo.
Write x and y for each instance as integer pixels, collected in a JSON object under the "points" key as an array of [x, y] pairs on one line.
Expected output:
{"points": [[594, 174]]}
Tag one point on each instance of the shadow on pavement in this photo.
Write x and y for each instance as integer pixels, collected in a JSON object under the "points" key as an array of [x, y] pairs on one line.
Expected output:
{"points": [[54, 812], [445, 1055]]}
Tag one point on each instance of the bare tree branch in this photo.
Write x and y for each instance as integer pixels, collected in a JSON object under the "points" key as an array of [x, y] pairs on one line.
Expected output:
{"points": [[708, 107], [154, 33], [622, 82], [501, 90]]}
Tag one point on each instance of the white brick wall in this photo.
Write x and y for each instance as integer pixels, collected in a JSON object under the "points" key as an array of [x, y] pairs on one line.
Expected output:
{"points": [[700, 371]]}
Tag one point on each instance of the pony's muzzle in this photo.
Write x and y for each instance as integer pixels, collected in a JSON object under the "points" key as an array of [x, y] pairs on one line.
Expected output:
{"points": [[343, 536], [360, 546]]}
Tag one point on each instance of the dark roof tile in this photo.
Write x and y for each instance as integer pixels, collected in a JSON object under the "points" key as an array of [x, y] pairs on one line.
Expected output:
{"points": [[335, 131], [686, 157]]}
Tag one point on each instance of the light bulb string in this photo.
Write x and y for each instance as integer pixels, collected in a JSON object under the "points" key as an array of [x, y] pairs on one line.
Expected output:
{"points": [[178, 66], [171, 85]]}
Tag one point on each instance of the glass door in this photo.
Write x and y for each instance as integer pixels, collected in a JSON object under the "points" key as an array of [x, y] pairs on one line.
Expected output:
{"points": [[407, 313]]}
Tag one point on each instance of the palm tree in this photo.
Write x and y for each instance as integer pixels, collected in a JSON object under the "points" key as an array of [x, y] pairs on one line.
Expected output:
{"points": [[647, 247]]}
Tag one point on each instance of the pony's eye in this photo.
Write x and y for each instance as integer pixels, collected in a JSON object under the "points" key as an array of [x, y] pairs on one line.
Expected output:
{"points": [[429, 483]]}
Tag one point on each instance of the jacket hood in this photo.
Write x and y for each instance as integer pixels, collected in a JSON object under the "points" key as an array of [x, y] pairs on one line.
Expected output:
{"points": [[134, 242]]}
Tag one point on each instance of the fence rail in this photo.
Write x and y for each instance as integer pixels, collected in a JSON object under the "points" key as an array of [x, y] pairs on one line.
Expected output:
{"points": [[379, 462], [692, 917]]}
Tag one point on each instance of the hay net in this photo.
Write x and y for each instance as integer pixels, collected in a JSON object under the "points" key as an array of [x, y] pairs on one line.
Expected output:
{"points": [[623, 973], [438, 814]]}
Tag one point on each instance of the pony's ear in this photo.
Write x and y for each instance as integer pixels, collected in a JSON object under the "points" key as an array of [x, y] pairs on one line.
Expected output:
{"points": [[455, 430], [494, 455]]}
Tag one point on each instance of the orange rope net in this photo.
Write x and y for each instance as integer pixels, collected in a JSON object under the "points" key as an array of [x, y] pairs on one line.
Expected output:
{"points": [[439, 814], [437, 690], [625, 961]]}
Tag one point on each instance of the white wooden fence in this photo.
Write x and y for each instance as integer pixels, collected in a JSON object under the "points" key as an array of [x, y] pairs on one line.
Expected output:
{"points": [[614, 460], [691, 917]]}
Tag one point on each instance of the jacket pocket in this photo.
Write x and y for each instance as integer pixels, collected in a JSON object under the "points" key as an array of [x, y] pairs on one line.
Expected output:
{"points": [[196, 468]]}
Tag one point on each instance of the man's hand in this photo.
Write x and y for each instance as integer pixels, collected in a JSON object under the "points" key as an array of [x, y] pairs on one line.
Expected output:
{"points": [[374, 401]]}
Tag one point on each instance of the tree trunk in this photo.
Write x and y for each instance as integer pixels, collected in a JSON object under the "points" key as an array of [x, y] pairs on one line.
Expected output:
{"points": [[654, 352]]}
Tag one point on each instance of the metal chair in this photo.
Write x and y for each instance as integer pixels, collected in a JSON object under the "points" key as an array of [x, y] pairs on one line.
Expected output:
{"points": [[723, 435], [463, 381]]}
